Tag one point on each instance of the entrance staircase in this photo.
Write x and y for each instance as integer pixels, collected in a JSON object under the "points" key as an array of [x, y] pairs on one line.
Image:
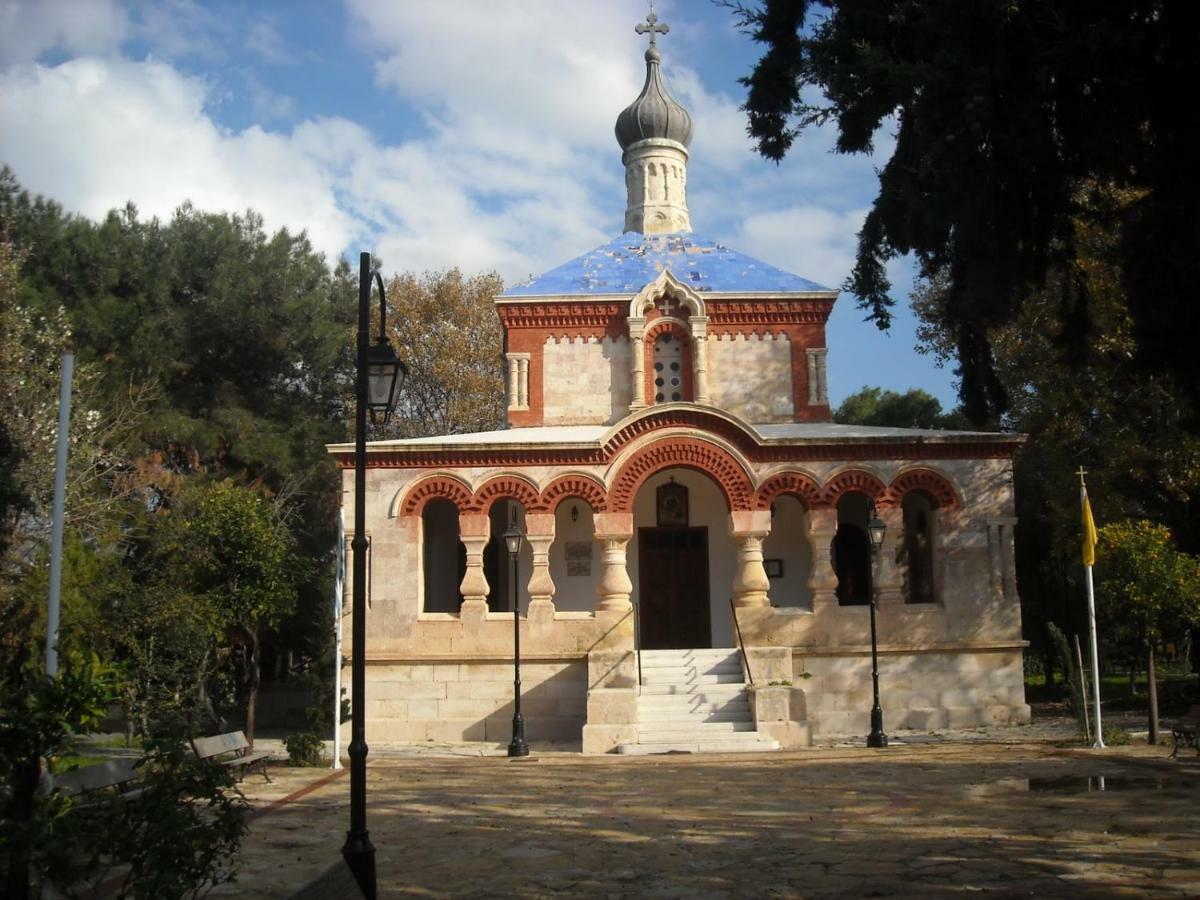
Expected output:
{"points": [[694, 701]]}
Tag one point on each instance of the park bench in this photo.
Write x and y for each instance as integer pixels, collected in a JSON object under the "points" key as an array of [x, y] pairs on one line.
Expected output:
{"points": [[1187, 731], [231, 750], [118, 776]]}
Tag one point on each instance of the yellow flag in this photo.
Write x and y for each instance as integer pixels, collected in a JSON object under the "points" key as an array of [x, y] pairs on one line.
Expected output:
{"points": [[1089, 530]]}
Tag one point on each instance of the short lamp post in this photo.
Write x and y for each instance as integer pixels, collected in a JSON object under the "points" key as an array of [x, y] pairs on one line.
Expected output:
{"points": [[877, 528], [379, 374], [517, 747]]}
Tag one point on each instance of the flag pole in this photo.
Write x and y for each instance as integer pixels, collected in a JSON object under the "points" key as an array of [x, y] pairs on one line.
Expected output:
{"points": [[1089, 559]]}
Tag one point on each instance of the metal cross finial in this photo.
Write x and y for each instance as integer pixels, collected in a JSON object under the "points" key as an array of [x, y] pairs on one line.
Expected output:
{"points": [[1082, 471], [652, 27]]}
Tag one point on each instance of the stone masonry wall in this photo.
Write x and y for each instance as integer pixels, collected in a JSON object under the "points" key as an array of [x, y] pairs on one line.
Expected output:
{"points": [[751, 376], [586, 381]]}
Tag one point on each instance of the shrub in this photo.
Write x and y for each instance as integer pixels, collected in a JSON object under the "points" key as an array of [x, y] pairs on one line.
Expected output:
{"points": [[305, 749]]}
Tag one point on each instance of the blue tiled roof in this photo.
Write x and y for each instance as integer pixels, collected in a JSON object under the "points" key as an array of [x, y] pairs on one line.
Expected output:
{"points": [[628, 263]]}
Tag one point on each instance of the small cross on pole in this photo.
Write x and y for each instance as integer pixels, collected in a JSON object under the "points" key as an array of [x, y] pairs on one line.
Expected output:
{"points": [[1082, 471], [652, 27]]}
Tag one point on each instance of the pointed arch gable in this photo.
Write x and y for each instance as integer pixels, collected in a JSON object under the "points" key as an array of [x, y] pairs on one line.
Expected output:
{"points": [[796, 484], [685, 452], [585, 487], [939, 488], [504, 487], [430, 487], [854, 480], [666, 283]]}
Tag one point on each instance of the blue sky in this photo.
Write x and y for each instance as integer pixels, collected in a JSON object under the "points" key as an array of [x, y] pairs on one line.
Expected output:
{"points": [[434, 134]]}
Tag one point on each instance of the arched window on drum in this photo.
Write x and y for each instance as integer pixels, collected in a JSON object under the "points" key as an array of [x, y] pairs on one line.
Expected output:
{"points": [[668, 369], [914, 554]]}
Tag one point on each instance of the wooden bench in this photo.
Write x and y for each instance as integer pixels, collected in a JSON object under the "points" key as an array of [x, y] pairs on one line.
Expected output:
{"points": [[1187, 731], [231, 750], [117, 775]]}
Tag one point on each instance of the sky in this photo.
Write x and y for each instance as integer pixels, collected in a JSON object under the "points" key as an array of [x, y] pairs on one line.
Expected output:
{"points": [[467, 134]]}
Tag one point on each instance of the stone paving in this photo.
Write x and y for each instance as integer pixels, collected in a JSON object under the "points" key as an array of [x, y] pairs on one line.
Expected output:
{"points": [[934, 816]]}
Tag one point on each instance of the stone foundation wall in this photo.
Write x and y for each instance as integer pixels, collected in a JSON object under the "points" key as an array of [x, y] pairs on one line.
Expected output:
{"points": [[473, 701], [924, 691]]}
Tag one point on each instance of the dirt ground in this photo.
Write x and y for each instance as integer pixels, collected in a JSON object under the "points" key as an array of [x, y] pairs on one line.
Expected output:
{"points": [[981, 812]]}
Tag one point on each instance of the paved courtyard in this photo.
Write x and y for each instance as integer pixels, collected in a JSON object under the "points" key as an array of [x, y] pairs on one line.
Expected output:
{"points": [[934, 819]]}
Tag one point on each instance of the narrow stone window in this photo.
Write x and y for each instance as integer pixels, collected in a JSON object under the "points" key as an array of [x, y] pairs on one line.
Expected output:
{"points": [[915, 553], [444, 559]]}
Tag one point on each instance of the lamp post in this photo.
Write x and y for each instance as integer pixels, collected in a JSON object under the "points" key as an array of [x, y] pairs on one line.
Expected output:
{"points": [[379, 373], [876, 738], [517, 746]]}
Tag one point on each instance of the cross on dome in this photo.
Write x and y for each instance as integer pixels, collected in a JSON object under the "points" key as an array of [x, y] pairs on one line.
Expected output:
{"points": [[652, 27]]}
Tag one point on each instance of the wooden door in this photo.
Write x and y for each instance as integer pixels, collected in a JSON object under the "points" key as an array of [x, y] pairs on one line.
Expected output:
{"points": [[673, 609]]}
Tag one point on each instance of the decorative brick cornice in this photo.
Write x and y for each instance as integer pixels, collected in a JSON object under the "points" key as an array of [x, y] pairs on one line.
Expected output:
{"points": [[690, 453], [598, 317], [738, 315]]}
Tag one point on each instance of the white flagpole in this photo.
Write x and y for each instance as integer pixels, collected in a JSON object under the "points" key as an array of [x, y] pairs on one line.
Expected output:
{"points": [[339, 586], [1098, 743], [1089, 557]]}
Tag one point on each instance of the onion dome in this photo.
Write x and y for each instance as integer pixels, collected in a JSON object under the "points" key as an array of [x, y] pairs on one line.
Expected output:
{"points": [[655, 113]]}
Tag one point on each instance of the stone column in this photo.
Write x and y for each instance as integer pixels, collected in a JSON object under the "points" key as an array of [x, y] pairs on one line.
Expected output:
{"points": [[1008, 558], [889, 573], [818, 390], [523, 381], [637, 327], [822, 582], [750, 583], [539, 529], [613, 532], [995, 561], [699, 326], [474, 531]]}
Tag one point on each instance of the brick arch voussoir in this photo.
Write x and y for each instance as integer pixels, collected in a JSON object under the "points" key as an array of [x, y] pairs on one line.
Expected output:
{"points": [[564, 487], [937, 486], [855, 480], [731, 477], [436, 487], [504, 487], [796, 484]]}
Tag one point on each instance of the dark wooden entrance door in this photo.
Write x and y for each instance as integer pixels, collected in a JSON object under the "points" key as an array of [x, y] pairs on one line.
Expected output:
{"points": [[673, 610]]}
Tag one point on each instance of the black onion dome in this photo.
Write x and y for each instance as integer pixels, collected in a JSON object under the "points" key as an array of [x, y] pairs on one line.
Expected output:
{"points": [[655, 113]]}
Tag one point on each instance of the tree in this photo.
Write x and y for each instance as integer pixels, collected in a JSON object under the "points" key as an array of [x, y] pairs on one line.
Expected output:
{"points": [[445, 328], [914, 408], [1003, 113], [242, 561], [1148, 588]]}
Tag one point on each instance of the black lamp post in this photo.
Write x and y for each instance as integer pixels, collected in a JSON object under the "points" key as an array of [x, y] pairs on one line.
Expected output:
{"points": [[379, 373], [517, 746], [876, 738]]}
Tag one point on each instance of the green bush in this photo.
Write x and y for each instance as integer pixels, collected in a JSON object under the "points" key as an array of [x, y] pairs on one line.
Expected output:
{"points": [[305, 749]]}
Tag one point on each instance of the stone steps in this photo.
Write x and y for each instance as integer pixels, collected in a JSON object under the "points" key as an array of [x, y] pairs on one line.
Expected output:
{"points": [[694, 701]]}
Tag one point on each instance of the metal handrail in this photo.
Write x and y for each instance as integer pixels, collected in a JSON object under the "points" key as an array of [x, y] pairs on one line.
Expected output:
{"points": [[737, 629]]}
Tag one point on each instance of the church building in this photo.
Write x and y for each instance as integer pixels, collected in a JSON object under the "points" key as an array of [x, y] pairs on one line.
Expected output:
{"points": [[696, 568]]}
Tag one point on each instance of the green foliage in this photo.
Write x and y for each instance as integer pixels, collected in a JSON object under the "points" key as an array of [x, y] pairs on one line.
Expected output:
{"points": [[177, 838], [1002, 112], [39, 718], [914, 408], [1146, 588], [305, 749]]}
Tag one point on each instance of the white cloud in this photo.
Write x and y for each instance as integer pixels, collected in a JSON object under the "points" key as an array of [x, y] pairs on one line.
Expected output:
{"points": [[95, 133], [29, 28]]}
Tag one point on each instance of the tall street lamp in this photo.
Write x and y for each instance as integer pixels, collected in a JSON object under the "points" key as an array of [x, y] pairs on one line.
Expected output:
{"points": [[517, 746], [379, 374], [876, 738]]}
